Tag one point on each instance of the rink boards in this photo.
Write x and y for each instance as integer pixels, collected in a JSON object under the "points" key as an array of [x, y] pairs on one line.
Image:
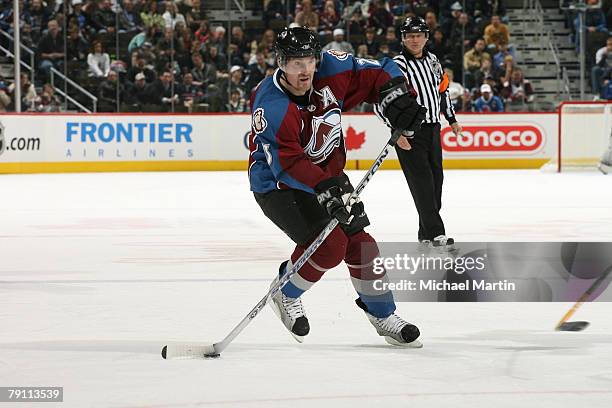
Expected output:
{"points": [[48, 143]]}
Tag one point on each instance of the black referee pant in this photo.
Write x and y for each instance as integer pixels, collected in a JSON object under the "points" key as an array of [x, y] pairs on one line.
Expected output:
{"points": [[422, 167]]}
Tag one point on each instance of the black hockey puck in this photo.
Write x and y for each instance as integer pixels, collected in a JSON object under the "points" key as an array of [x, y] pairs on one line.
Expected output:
{"points": [[212, 355], [163, 353]]}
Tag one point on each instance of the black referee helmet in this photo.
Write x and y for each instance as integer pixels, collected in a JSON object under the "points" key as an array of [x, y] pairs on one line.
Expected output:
{"points": [[415, 25], [296, 42]]}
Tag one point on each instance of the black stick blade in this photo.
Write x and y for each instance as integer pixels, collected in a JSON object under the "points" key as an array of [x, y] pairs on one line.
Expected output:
{"points": [[573, 326]]}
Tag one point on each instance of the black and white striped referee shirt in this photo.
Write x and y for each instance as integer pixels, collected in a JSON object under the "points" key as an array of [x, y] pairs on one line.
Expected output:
{"points": [[426, 76]]}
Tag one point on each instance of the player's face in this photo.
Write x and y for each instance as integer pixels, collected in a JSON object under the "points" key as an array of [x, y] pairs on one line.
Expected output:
{"points": [[300, 72], [414, 42]]}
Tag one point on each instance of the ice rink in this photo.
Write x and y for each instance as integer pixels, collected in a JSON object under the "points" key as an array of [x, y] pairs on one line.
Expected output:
{"points": [[98, 271]]}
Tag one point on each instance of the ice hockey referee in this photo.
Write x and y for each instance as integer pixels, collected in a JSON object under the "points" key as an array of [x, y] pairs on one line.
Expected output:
{"points": [[420, 156]]}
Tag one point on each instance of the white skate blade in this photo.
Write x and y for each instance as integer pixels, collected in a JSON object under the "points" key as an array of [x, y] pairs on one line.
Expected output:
{"points": [[184, 351], [299, 339], [604, 168], [412, 344]]}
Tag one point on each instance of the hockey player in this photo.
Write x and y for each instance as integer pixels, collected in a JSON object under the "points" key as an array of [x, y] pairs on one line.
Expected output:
{"points": [[297, 157]]}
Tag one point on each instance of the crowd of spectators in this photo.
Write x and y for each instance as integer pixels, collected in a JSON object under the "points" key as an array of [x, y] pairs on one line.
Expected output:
{"points": [[149, 55]]}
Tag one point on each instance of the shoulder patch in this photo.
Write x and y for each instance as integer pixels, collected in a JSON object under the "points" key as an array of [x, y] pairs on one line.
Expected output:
{"points": [[340, 55], [259, 122]]}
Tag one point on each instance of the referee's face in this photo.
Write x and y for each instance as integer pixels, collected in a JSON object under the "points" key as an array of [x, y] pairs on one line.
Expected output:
{"points": [[414, 43]]}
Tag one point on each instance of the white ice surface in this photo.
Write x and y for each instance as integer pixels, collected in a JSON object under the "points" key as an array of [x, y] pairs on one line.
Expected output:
{"points": [[97, 271]]}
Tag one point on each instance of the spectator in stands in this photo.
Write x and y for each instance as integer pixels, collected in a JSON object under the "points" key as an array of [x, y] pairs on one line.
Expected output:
{"points": [[202, 34], [462, 28], [51, 49], [240, 41], [502, 51], [98, 61], [5, 99], [104, 18], [149, 35], [603, 65], [76, 46], [167, 48], [235, 81], [395, 46], [507, 69], [472, 61], [371, 42], [307, 17], [203, 74], [189, 93], [218, 40], [606, 91], [450, 10], [362, 52], [494, 84], [47, 101], [236, 103], [81, 19], [138, 94], [438, 46], [28, 92], [483, 9], [486, 70], [487, 101], [26, 35], [257, 72], [328, 19], [171, 15], [6, 17], [129, 19], [107, 93], [139, 67], [161, 92], [594, 21], [39, 18], [356, 22], [275, 10], [517, 93], [338, 43], [267, 44], [496, 33], [218, 60], [380, 18], [455, 89], [432, 21], [150, 16]]}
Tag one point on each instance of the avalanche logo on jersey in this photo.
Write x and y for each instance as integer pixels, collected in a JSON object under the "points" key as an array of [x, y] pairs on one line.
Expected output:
{"points": [[259, 123], [326, 134]]}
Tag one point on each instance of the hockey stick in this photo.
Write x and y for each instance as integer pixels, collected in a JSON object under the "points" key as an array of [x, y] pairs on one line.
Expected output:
{"points": [[563, 324], [200, 350]]}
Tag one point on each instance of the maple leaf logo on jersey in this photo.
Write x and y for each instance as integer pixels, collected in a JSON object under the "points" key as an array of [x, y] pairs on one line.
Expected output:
{"points": [[354, 140], [326, 135]]}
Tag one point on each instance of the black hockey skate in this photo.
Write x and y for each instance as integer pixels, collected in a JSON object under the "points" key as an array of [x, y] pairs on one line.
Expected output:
{"points": [[394, 329], [442, 243], [290, 311]]}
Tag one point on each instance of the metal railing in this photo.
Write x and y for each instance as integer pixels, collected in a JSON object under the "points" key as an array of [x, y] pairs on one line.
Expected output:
{"points": [[545, 39], [69, 81], [54, 73], [10, 54], [28, 51]]}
